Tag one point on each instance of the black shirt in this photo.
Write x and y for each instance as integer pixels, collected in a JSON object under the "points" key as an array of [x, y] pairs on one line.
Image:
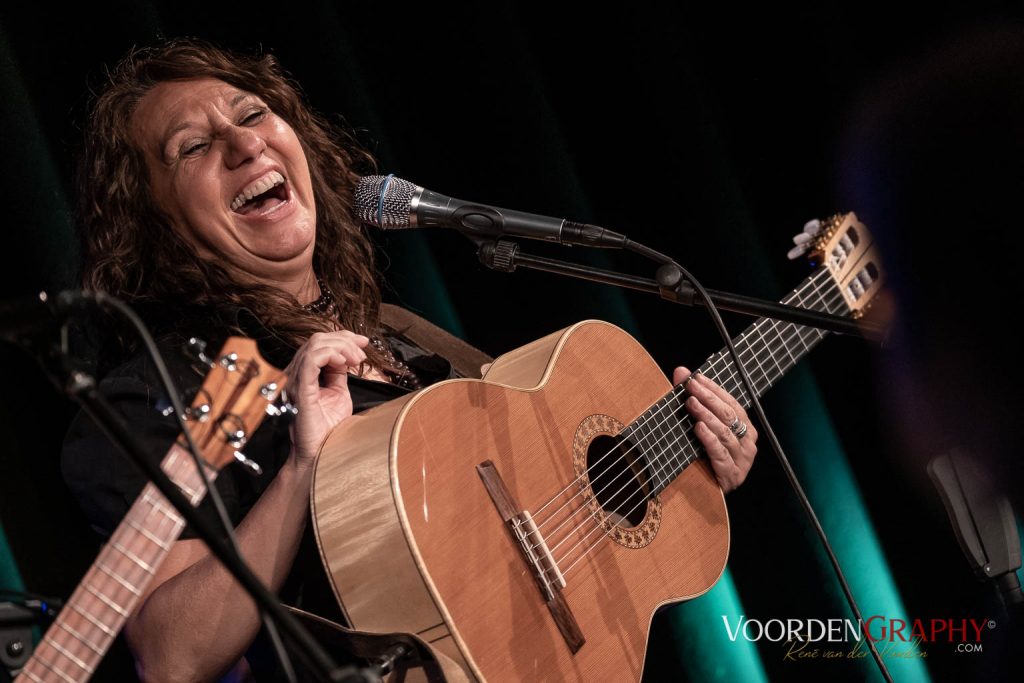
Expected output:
{"points": [[106, 483]]}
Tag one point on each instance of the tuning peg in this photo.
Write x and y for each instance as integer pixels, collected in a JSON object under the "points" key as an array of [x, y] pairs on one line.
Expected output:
{"points": [[812, 227], [252, 465], [200, 412], [197, 349], [283, 407], [804, 239]]}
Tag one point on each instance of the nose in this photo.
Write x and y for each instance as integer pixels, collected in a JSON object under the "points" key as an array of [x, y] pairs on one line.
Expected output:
{"points": [[242, 145]]}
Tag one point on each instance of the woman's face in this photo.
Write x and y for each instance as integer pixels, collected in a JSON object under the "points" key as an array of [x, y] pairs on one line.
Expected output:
{"points": [[231, 174]]}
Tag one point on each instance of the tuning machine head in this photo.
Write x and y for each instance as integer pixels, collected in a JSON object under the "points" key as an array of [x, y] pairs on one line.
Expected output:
{"points": [[196, 349], [198, 410], [280, 405]]}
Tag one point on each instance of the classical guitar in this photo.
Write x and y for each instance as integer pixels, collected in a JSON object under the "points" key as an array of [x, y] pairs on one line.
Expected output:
{"points": [[529, 524], [240, 388]]}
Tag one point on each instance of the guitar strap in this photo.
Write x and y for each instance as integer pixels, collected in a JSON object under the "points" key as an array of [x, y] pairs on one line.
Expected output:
{"points": [[466, 359]]}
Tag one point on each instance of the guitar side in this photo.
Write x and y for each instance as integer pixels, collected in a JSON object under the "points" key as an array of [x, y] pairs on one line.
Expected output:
{"points": [[443, 561]]}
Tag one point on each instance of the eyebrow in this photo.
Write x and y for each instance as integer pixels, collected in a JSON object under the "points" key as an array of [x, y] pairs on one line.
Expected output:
{"points": [[171, 132]]}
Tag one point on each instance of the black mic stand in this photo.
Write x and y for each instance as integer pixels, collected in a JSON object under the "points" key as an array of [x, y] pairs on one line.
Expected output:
{"points": [[505, 256]]}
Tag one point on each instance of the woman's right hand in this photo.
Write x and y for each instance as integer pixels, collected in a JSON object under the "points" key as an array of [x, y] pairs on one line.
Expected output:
{"points": [[318, 386]]}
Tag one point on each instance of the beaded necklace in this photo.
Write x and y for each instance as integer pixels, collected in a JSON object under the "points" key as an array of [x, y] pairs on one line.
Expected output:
{"points": [[399, 373]]}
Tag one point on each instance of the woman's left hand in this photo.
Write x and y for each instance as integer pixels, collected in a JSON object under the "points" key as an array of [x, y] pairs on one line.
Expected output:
{"points": [[722, 426]]}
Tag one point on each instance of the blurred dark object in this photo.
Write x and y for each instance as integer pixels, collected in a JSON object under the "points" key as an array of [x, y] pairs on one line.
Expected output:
{"points": [[983, 522], [16, 622]]}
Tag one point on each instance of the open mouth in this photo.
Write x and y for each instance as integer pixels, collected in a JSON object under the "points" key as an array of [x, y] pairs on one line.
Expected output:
{"points": [[261, 196]]}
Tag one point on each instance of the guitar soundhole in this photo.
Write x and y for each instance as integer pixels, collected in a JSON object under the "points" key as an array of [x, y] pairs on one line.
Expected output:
{"points": [[617, 481]]}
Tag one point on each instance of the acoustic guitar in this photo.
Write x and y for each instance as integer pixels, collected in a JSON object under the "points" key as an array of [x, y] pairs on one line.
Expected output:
{"points": [[239, 390], [527, 525]]}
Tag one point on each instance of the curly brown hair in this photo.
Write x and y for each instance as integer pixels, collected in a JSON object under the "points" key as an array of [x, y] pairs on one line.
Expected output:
{"points": [[129, 248]]}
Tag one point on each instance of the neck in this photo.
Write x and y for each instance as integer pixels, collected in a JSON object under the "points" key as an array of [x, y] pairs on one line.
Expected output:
{"points": [[302, 284], [307, 289]]}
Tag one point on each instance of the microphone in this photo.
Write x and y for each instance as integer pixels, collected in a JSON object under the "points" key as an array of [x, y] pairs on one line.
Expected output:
{"points": [[391, 203]]}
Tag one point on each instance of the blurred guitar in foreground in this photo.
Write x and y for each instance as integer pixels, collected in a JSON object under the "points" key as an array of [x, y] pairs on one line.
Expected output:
{"points": [[239, 390]]}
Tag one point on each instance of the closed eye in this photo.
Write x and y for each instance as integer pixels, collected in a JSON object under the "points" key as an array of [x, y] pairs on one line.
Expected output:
{"points": [[193, 148], [253, 117]]}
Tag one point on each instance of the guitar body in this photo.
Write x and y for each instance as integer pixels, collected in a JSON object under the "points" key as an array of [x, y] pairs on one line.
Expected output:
{"points": [[413, 542]]}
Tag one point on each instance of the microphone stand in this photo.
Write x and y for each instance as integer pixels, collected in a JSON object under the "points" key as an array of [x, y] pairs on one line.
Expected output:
{"points": [[505, 256]]}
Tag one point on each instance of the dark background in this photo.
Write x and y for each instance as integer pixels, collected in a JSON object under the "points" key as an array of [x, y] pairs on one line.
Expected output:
{"points": [[709, 134]]}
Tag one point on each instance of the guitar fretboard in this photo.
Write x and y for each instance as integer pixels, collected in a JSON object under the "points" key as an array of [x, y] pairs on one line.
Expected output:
{"points": [[768, 350], [83, 632]]}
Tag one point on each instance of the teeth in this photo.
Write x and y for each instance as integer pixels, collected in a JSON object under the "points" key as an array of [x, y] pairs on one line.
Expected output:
{"points": [[257, 187]]}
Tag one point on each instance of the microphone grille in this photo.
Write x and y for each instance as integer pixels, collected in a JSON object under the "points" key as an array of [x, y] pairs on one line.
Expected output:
{"points": [[384, 201]]}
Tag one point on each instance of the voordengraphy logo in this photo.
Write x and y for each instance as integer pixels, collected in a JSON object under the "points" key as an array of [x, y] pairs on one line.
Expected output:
{"points": [[814, 638]]}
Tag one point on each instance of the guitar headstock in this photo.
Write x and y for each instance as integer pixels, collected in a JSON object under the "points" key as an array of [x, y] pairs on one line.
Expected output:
{"points": [[847, 250], [240, 389]]}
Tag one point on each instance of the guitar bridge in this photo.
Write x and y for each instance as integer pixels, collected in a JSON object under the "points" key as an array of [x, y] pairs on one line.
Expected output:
{"points": [[535, 550], [535, 553]]}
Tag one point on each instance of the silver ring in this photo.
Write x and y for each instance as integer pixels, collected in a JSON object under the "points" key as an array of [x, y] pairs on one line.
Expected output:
{"points": [[742, 431], [734, 426]]}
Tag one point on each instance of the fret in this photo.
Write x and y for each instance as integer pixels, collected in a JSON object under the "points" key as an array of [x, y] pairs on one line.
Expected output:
{"points": [[95, 622], [106, 600], [182, 471], [189, 492], [157, 503], [640, 435], [131, 556], [785, 346], [767, 344], [740, 351], [120, 579], [26, 672], [675, 437], [658, 433], [162, 544], [52, 667], [72, 658], [81, 638]]}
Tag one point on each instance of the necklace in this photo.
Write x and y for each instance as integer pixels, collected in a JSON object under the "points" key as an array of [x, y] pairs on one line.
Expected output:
{"points": [[324, 302], [399, 372]]}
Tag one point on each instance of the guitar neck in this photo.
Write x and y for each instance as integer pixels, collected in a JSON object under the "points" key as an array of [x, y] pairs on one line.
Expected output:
{"points": [[83, 632], [768, 349]]}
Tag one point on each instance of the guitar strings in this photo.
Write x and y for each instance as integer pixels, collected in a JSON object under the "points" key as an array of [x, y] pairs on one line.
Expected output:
{"points": [[798, 331], [649, 415], [802, 331], [598, 525], [792, 329], [789, 331], [732, 372], [684, 435]]}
